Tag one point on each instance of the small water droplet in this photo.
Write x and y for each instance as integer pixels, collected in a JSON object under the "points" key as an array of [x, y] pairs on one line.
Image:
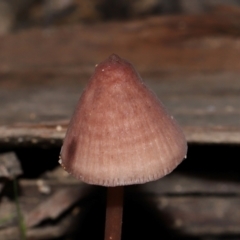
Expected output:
{"points": [[59, 128]]}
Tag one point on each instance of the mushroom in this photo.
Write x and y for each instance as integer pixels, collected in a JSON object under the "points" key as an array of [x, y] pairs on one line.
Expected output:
{"points": [[120, 134]]}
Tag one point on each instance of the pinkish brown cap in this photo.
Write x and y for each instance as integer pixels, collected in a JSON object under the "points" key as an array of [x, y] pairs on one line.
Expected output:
{"points": [[120, 133]]}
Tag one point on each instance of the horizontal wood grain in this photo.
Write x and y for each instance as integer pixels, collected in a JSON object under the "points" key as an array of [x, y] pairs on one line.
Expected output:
{"points": [[191, 62]]}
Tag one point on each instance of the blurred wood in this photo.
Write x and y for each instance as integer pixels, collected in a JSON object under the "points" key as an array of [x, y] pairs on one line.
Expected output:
{"points": [[190, 205], [50, 134], [10, 166], [178, 184], [225, 9], [185, 215], [54, 206], [37, 206], [175, 184], [33, 135], [191, 62], [155, 45], [44, 232], [7, 213], [199, 215]]}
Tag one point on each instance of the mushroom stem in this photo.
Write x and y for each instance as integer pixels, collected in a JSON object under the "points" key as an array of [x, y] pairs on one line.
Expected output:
{"points": [[113, 227]]}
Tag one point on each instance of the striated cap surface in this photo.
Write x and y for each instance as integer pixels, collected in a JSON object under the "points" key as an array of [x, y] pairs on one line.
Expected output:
{"points": [[120, 132]]}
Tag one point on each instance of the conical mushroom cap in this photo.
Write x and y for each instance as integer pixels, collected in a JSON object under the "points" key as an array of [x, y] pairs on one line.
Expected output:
{"points": [[120, 133]]}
